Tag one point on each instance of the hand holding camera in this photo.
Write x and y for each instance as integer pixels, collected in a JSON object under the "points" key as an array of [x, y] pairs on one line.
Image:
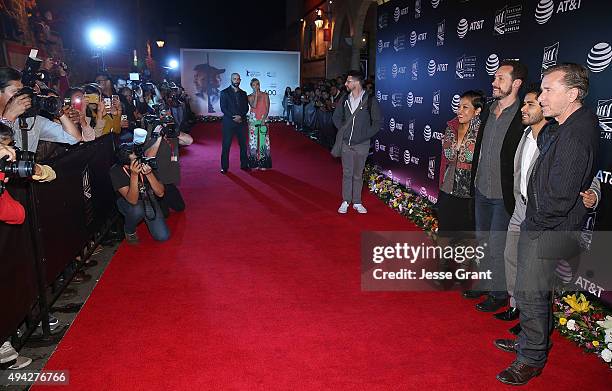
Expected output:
{"points": [[16, 106], [8, 152], [135, 168]]}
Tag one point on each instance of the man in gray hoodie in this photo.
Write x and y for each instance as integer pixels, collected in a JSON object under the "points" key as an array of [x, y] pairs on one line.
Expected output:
{"points": [[357, 119]]}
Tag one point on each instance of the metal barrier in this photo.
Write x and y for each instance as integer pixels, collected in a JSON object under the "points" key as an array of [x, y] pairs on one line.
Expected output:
{"points": [[62, 218]]}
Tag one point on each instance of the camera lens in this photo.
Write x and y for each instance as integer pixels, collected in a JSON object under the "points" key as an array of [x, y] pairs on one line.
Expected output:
{"points": [[20, 169]]}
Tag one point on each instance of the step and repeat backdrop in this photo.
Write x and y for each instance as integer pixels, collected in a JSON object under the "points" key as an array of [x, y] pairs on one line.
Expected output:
{"points": [[430, 51], [205, 72]]}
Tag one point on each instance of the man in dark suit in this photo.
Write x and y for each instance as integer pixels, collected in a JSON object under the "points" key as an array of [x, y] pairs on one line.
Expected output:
{"points": [[492, 178], [554, 215], [234, 105]]}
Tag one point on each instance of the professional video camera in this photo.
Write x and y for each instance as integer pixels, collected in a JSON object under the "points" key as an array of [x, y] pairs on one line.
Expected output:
{"points": [[22, 167], [29, 76]]}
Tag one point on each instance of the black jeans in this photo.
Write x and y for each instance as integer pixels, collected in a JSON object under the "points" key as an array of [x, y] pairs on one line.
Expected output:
{"points": [[240, 131], [172, 199]]}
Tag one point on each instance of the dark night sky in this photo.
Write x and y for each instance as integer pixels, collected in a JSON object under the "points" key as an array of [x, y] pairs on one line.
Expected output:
{"points": [[220, 23]]}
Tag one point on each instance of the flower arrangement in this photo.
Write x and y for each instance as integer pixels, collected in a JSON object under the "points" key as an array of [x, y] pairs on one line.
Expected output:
{"points": [[407, 203], [585, 322]]}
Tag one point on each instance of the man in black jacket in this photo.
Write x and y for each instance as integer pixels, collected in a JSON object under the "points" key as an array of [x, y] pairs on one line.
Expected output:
{"points": [[555, 214], [357, 119], [492, 178], [234, 105]]}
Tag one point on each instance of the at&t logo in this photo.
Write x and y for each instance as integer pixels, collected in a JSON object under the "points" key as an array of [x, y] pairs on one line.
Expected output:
{"points": [[455, 103], [599, 57], [605, 177], [393, 125], [381, 97], [397, 13], [396, 70], [410, 159], [383, 45], [464, 26], [432, 67], [492, 64], [416, 37], [423, 191], [411, 99], [546, 9], [435, 3], [428, 134]]}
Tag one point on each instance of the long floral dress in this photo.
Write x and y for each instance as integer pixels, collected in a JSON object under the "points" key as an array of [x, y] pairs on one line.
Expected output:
{"points": [[259, 137]]}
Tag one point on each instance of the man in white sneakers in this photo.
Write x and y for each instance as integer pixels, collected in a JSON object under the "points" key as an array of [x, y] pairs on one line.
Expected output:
{"points": [[357, 119]]}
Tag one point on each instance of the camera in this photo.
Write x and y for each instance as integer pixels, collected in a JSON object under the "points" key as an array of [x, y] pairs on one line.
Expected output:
{"points": [[30, 75], [141, 158], [166, 121], [17, 169]]}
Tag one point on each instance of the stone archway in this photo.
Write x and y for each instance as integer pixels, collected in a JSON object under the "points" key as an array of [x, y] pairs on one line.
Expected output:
{"points": [[359, 20]]}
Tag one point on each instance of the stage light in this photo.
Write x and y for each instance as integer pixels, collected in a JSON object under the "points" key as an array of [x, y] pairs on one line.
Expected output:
{"points": [[173, 64], [100, 37], [160, 43]]}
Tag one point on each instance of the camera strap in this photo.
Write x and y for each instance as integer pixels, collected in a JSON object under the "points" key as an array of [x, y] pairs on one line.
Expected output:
{"points": [[173, 156]]}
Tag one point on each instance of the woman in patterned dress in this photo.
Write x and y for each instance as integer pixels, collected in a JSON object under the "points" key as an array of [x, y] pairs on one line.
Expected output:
{"points": [[259, 137], [455, 204]]}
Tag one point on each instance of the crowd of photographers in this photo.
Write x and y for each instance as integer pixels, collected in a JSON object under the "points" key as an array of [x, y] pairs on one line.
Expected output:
{"points": [[42, 118]]}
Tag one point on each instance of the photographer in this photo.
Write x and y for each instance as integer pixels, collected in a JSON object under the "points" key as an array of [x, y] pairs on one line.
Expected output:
{"points": [[138, 188], [13, 104], [110, 104], [163, 144]]}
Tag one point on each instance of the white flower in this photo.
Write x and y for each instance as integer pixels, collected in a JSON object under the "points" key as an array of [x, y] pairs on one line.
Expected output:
{"points": [[571, 325], [608, 336], [606, 324], [610, 346], [606, 355]]}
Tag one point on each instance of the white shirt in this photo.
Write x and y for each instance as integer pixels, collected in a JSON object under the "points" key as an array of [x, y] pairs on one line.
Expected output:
{"points": [[354, 102], [42, 129], [529, 149]]}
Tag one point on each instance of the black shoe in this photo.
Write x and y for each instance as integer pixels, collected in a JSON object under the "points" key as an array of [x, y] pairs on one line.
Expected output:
{"points": [[490, 304], [223, 171], [518, 373], [516, 329], [511, 313], [507, 345], [473, 294]]}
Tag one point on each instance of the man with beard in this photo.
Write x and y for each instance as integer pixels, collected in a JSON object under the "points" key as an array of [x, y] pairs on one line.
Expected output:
{"points": [[492, 176], [234, 105]]}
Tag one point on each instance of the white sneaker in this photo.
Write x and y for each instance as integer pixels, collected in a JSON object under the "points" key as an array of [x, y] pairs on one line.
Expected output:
{"points": [[343, 207], [360, 208], [7, 353], [21, 363]]}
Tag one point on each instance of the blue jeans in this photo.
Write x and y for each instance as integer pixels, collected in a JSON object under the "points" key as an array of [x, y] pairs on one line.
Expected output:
{"points": [[134, 214], [491, 225]]}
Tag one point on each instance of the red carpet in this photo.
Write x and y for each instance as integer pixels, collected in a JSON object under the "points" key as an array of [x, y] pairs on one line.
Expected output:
{"points": [[259, 288]]}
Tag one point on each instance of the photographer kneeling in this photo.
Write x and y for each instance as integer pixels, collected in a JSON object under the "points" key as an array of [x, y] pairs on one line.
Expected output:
{"points": [[138, 187], [163, 144]]}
